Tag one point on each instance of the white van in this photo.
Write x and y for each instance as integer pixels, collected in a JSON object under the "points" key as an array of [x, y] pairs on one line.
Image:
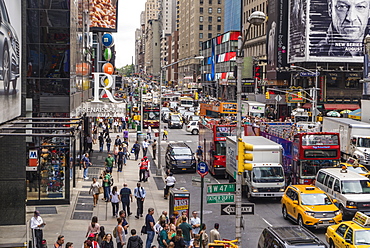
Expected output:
{"points": [[351, 190]]}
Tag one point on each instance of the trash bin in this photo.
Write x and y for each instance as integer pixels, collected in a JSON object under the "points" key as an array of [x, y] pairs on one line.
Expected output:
{"points": [[156, 133], [179, 201], [140, 136], [138, 128]]}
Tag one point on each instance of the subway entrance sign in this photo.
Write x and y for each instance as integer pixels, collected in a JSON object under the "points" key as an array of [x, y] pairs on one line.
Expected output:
{"points": [[220, 199], [221, 188]]}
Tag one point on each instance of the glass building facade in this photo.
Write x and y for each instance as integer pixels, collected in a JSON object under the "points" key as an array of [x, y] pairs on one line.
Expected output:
{"points": [[232, 15]]}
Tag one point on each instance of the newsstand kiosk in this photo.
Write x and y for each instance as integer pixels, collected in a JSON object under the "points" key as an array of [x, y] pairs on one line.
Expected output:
{"points": [[179, 201]]}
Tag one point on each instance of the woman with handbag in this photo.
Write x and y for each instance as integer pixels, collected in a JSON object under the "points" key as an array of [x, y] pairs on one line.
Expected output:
{"points": [[95, 190]]}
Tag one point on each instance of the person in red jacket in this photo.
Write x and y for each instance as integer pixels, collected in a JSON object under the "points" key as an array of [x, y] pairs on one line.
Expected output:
{"points": [[143, 167]]}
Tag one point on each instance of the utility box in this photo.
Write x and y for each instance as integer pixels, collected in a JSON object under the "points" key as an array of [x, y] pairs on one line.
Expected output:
{"points": [[179, 201]]}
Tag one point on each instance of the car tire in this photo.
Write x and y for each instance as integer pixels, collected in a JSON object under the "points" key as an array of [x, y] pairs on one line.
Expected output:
{"points": [[344, 216], [195, 131], [300, 220], [285, 213], [331, 244], [6, 69]]}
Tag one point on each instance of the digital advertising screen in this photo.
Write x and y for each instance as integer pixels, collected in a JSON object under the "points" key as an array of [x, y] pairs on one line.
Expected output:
{"points": [[103, 15]]}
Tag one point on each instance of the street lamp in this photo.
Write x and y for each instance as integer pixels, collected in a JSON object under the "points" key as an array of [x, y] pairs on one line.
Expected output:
{"points": [[256, 18], [314, 92], [159, 166]]}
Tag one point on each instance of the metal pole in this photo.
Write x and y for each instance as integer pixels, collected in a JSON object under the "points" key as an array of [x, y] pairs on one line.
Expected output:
{"points": [[141, 110], [159, 169], [238, 192], [315, 97], [201, 204]]}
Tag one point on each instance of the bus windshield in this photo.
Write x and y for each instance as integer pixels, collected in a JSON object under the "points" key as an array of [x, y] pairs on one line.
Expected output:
{"points": [[319, 139], [151, 115], [309, 168], [220, 148], [355, 187], [268, 174], [225, 131]]}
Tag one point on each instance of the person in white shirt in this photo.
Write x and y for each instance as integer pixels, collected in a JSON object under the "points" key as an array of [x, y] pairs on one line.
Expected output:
{"points": [[37, 224], [149, 133], [195, 223], [170, 183], [145, 147]]}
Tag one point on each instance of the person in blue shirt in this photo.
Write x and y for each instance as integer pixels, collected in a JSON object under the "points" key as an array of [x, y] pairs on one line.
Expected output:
{"points": [[149, 223]]}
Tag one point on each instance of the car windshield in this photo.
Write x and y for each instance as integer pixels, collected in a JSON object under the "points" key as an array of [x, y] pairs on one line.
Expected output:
{"points": [[355, 187], [268, 174], [360, 170], [315, 199], [181, 151], [362, 237], [175, 118]]}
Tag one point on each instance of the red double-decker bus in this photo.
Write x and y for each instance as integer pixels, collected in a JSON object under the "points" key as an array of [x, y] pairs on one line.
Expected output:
{"points": [[311, 152], [151, 116], [212, 138]]}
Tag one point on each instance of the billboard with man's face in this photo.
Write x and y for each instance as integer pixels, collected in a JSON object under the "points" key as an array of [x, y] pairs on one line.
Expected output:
{"points": [[327, 30], [10, 50]]}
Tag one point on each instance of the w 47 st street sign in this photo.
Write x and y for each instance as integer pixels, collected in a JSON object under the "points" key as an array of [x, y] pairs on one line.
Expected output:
{"points": [[229, 209]]}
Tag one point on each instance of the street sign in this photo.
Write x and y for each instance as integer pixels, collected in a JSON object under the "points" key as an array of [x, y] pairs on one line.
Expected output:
{"points": [[220, 198], [198, 179], [309, 74], [202, 169], [278, 98], [221, 188], [229, 209]]}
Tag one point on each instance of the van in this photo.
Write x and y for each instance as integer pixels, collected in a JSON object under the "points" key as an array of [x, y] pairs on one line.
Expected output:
{"points": [[289, 237], [350, 189]]}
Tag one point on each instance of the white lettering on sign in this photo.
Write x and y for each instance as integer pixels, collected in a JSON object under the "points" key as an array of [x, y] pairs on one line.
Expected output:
{"points": [[99, 85]]}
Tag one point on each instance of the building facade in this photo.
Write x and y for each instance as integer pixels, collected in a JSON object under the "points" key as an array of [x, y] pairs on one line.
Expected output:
{"points": [[232, 15]]}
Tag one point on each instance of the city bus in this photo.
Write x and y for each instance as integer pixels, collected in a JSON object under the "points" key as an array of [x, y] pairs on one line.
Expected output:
{"points": [[186, 102], [212, 138], [218, 109], [151, 116], [305, 153]]}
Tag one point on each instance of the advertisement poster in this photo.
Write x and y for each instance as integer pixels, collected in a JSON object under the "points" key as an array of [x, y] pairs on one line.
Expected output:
{"points": [[103, 15], [327, 31], [10, 50], [181, 204]]}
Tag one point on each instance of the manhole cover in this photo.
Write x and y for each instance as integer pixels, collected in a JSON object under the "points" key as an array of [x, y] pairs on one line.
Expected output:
{"points": [[84, 193], [47, 210], [84, 200], [82, 216], [82, 206]]}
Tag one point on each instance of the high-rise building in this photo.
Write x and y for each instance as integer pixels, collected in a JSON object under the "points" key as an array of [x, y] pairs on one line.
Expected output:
{"points": [[232, 15], [198, 21]]}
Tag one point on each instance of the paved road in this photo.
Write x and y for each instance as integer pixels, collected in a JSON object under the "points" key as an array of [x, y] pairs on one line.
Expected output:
{"points": [[267, 211]]}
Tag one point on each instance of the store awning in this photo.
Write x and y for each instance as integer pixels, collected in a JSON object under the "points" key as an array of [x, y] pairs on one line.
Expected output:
{"points": [[341, 106], [355, 114], [307, 105]]}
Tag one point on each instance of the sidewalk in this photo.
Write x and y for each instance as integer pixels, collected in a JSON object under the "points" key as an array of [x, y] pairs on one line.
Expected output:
{"points": [[72, 220]]}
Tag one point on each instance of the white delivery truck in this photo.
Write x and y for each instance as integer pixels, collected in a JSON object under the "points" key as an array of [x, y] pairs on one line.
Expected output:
{"points": [[267, 176], [354, 137], [253, 108]]}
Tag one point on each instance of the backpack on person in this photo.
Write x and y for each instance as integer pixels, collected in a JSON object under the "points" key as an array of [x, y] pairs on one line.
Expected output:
{"points": [[115, 232]]}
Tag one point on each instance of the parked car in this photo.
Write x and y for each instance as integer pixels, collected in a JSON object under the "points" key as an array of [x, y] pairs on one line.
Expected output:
{"points": [[179, 157], [9, 52], [193, 127]]}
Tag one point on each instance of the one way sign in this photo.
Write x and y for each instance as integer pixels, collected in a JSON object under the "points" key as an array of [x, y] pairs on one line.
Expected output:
{"points": [[229, 209]]}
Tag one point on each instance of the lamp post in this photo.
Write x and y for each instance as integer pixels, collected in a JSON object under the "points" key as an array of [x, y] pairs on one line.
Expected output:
{"points": [[256, 18], [314, 92], [159, 165]]}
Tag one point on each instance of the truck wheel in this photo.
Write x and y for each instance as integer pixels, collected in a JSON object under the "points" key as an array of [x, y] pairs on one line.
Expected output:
{"points": [[285, 214], [249, 195]]}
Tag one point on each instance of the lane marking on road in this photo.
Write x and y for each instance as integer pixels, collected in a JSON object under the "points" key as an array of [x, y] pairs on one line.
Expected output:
{"points": [[217, 180], [266, 221]]}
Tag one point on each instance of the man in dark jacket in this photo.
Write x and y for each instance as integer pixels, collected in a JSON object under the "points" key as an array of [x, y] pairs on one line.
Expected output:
{"points": [[134, 241]]}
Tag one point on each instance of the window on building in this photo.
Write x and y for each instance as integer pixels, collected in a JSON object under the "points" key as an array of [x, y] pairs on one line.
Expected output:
{"points": [[209, 27], [219, 1], [210, 10], [218, 18], [200, 27], [210, 19], [209, 35], [200, 35], [201, 18], [209, 1], [201, 10], [218, 27], [201, 1], [219, 10]]}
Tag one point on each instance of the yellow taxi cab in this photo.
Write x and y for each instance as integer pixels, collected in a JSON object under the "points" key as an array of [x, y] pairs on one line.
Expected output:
{"points": [[350, 234], [309, 206], [353, 165]]}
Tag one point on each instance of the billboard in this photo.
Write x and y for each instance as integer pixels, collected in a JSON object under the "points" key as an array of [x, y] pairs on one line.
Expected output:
{"points": [[327, 30], [103, 15], [10, 50], [277, 38]]}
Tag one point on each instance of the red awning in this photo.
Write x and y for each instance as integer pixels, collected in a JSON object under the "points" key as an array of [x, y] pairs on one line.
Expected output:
{"points": [[307, 105], [341, 106]]}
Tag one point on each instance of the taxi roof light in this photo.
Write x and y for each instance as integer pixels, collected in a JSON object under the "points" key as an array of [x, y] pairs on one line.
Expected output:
{"points": [[310, 188], [361, 219]]}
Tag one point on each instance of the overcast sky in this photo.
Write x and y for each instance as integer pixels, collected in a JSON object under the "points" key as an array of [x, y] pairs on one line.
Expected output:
{"points": [[128, 20]]}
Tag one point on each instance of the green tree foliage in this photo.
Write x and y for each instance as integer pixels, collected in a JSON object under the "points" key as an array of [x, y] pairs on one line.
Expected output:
{"points": [[127, 70]]}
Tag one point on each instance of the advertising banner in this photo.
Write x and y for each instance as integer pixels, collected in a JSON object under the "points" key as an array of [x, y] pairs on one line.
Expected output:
{"points": [[327, 30], [103, 15], [10, 50], [277, 38]]}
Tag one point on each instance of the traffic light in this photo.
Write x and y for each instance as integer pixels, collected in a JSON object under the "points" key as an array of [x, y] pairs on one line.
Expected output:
{"points": [[257, 72], [214, 245], [267, 95], [242, 156], [299, 94]]}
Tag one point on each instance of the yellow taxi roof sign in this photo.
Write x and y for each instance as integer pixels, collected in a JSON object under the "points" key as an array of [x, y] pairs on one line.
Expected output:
{"points": [[361, 219]]}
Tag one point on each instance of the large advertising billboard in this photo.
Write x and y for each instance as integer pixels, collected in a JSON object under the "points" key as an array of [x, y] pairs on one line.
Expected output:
{"points": [[103, 15], [10, 63], [327, 30]]}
